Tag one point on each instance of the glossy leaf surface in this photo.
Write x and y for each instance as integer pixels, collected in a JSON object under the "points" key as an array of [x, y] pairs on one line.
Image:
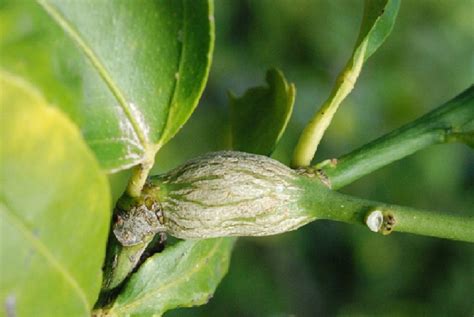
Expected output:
{"points": [[183, 275], [129, 73], [54, 209], [260, 116]]}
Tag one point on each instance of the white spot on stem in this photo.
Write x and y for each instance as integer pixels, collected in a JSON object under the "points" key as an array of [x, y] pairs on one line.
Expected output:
{"points": [[374, 220]]}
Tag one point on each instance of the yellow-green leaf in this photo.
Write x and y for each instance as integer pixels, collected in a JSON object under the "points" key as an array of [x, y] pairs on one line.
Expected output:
{"points": [[54, 209]]}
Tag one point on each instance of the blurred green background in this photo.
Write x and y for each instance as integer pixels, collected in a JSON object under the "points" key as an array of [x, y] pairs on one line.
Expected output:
{"points": [[332, 269], [335, 269]]}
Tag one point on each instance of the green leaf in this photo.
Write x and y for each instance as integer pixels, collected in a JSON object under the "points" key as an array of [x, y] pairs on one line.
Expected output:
{"points": [[260, 116], [183, 275], [54, 209], [129, 73], [377, 23]]}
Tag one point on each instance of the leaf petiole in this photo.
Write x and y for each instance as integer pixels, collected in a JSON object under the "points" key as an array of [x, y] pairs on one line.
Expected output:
{"points": [[377, 23]]}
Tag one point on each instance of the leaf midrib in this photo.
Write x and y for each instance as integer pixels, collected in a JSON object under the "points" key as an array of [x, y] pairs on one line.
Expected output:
{"points": [[98, 65], [43, 250]]}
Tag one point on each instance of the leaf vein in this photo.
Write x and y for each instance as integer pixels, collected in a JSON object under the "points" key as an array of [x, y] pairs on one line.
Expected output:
{"points": [[43, 250], [197, 267], [97, 64]]}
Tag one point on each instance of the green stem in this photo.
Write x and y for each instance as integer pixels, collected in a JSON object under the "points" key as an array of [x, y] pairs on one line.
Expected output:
{"points": [[120, 261], [141, 171], [435, 224], [327, 204], [453, 121], [314, 130]]}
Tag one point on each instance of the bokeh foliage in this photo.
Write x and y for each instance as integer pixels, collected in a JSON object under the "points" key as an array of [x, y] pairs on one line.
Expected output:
{"points": [[327, 268]]}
